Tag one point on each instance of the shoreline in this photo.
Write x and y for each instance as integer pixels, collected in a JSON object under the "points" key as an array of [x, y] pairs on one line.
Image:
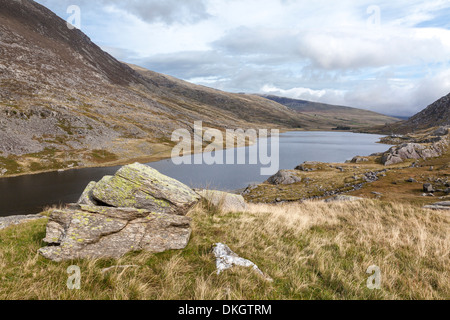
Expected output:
{"points": [[164, 155]]}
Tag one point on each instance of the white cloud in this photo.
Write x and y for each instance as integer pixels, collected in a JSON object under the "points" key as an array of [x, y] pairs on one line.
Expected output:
{"points": [[392, 96]]}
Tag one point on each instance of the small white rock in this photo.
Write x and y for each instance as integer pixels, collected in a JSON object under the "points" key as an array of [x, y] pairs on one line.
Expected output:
{"points": [[226, 259]]}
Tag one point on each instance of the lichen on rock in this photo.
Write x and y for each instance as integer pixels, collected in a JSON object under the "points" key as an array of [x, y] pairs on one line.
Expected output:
{"points": [[78, 234], [140, 186], [136, 209]]}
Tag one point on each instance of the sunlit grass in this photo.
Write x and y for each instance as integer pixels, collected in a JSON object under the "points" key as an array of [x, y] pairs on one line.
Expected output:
{"points": [[312, 250]]}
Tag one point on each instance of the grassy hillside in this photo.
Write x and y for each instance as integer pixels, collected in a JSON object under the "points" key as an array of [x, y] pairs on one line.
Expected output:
{"points": [[312, 250]]}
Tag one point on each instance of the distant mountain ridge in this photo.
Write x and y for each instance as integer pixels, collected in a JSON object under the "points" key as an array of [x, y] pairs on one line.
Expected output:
{"points": [[334, 115]]}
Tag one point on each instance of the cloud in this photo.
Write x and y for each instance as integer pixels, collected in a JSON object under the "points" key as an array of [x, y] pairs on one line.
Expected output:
{"points": [[346, 48], [166, 11], [151, 11], [392, 97]]}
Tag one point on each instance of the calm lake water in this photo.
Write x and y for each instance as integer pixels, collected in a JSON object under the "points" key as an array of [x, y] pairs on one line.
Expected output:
{"points": [[29, 194]]}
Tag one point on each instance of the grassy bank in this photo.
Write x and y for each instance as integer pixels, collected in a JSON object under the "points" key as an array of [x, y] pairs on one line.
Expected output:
{"points": [[312, 250]]}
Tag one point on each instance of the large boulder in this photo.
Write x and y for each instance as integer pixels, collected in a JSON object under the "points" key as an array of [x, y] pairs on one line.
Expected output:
{"points": [[428, 187], [103, 232], [285, 177], [136, 209], [227, 202], [142, 187]]}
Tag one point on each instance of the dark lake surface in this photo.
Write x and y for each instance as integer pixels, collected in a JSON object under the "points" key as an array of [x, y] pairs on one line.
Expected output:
{"points": [[29, 194]]}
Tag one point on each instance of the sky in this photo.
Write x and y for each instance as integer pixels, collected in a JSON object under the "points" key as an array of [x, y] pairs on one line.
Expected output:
{"points": [[388, 56]]}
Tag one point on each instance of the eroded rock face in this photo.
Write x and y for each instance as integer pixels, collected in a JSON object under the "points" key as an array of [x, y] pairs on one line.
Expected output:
{"points": [[142, 187], [227, 202], [104, 232], [284, 177]]}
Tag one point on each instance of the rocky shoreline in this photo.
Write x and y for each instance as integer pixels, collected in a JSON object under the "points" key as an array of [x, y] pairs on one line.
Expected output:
{"points": [[315, 180]]}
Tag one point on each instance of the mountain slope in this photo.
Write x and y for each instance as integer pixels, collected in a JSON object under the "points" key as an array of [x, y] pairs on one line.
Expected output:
{"points": [[435, 115], [62, 98], [335, 116]]}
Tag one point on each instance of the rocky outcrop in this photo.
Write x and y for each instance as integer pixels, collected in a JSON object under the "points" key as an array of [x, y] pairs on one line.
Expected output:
{"points": [[140, 186], [136, 209], [416, 151], [428, 187], [442, 131], [359, 159], [308, 166], [445, 205], [5, 222], [227, 202], [284, 177], [341, 198], [100, 232]]}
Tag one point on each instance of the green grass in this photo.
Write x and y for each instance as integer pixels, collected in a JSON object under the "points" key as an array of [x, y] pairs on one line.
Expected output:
{"points": [[48, 160], [311, 250], [103, 156], [10, 164], [66, 126]]}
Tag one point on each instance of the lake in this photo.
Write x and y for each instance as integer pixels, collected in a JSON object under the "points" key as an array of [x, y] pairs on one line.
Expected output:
{"points": [[29, 194]]}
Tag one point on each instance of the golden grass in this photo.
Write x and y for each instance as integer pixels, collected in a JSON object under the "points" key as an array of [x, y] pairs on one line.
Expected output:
{"points": [[312, 250]]}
